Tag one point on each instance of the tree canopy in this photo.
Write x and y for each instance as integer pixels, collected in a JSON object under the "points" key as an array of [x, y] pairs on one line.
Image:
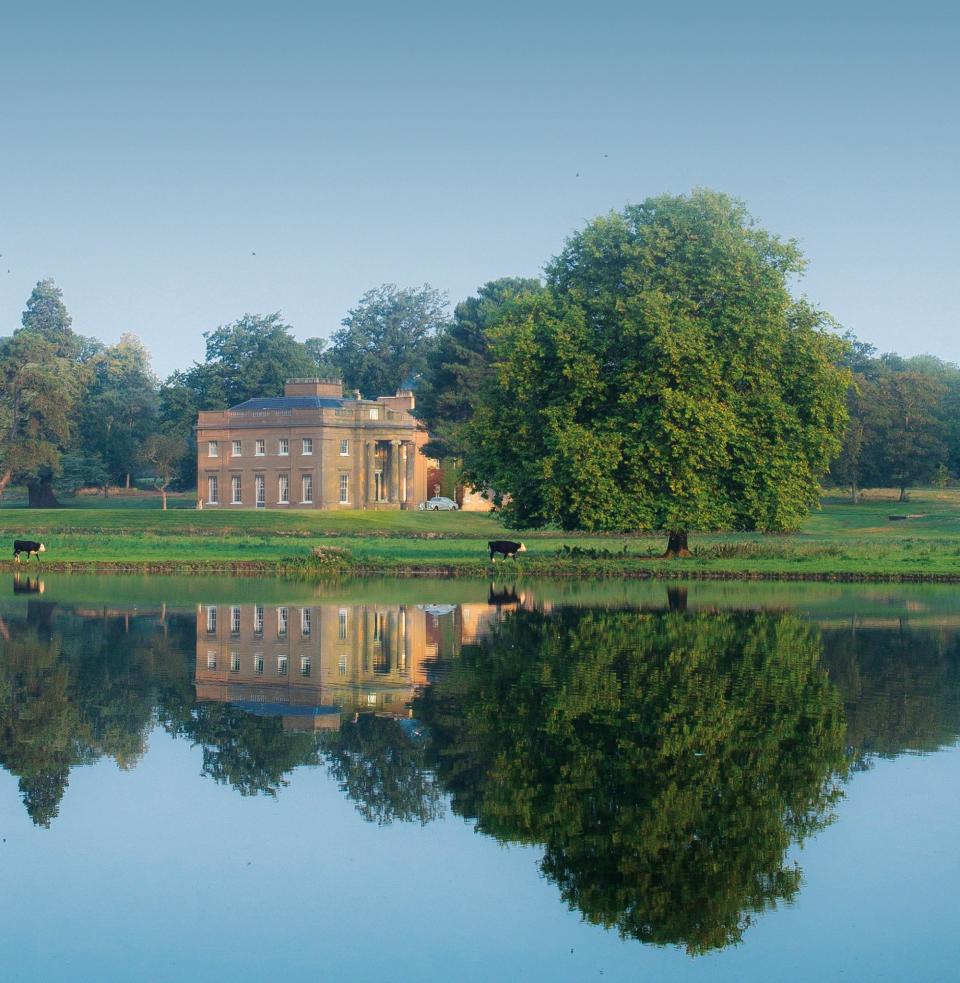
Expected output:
{"points": [[664, 377], [385, 339], [904, 426], [460, 365], [250, 357], [118, 412], [41, 378], [666, 380]]}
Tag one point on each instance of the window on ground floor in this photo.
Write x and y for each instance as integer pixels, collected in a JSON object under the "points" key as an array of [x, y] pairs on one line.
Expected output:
{"points": [[344, 489], [306, 489]]}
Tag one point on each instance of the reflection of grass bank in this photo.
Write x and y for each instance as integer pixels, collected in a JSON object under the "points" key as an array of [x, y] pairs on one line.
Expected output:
{"points": [[842, 542]]}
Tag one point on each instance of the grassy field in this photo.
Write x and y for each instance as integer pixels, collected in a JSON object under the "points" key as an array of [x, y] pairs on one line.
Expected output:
{"points": [[842, 541]]}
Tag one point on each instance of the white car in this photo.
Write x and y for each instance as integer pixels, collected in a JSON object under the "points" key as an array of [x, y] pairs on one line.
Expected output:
{"points": [[438, 504]]}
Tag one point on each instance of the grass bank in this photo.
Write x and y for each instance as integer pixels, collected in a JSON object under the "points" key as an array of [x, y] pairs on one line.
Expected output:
{"points": [[841, 542]]}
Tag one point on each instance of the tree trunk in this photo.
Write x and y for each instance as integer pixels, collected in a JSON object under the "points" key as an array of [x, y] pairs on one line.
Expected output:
{"points": [[855, 494], [677, 599], [163, 495], [677, 546], [903, 493], [41, 496], [128, 481]]}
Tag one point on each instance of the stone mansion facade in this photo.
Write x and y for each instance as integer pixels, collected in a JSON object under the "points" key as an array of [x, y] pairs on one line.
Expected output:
{"points": [[312, 449]]}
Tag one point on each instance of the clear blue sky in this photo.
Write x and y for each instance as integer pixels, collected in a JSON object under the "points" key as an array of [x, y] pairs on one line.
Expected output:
{"points": [[148, 150]]}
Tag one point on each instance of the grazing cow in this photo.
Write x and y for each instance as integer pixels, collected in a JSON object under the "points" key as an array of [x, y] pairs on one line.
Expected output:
{"points": [[506, 547], [29, 547]]}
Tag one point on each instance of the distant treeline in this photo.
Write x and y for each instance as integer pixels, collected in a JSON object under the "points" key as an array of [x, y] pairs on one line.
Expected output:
{"points": [[77, 413], [904, 426]]}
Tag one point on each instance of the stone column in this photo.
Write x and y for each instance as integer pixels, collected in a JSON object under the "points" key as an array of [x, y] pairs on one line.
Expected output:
{"points": [[411, 462], [319, 498], [394, 470], [371, 465]]}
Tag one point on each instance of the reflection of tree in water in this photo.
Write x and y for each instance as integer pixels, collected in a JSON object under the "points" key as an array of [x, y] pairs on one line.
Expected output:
{"points": [[379, 764], [250, 753], [901, 688], [665, 761], [73, 689], [38, 724]]}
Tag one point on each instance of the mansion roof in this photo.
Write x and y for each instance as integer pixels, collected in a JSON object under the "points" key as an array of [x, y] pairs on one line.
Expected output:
{"points": [[290, 403]]}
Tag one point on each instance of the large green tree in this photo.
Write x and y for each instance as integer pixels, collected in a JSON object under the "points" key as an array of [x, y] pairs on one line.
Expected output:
{"points": [[904, 427], [667, 380], [904, 424], [253, 356], [118, 412], [42, 374], [385, 339], [46, 315], [460, 365]]}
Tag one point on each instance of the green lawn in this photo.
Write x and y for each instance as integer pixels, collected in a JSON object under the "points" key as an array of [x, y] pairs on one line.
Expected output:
{"points": [[843, 540]]}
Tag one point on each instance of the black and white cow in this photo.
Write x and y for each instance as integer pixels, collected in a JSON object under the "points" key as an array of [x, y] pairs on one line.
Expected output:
{"points": [[506, 547], [29, 547]]}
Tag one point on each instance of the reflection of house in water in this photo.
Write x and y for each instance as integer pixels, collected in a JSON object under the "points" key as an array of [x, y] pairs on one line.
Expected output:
{"points": [[307, 664], [476, 621]]}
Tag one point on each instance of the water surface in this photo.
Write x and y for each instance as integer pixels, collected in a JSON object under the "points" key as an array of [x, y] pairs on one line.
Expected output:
{"points": [[236, 779]]}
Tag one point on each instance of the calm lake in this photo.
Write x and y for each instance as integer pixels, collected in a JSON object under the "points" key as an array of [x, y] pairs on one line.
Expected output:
{"points": [[216, 779]]}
